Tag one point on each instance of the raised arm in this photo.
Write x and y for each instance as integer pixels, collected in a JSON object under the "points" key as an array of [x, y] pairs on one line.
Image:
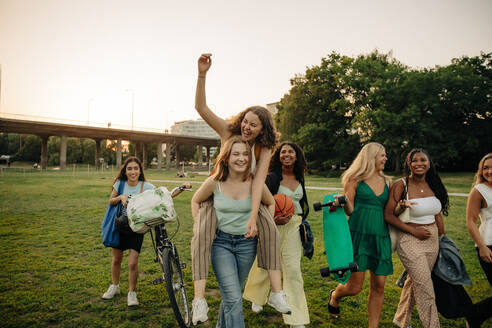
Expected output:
{"points": [[473, 206], [218, 124]]}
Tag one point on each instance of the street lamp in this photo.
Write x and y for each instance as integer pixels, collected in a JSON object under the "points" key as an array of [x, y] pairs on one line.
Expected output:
{"points": [[133, 101], [89, 110]]}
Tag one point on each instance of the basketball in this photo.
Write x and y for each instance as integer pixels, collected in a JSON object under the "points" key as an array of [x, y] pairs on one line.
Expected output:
{"points": [[283, 205]]}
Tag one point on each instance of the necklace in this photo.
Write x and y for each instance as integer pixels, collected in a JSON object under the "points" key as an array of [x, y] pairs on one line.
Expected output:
{"points": [[419, 186]]}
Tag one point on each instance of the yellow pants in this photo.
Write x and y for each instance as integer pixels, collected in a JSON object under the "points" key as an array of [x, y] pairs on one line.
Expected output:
{"points": [[258, 284]]}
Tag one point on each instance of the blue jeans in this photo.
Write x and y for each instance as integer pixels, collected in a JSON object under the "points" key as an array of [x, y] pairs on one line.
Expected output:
{"points": [[232, 258]]}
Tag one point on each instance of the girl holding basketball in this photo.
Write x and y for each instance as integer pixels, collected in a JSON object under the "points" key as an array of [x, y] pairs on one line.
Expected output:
{"points": [[366, 192], [287, 168], [233, 251], [255, 126]]}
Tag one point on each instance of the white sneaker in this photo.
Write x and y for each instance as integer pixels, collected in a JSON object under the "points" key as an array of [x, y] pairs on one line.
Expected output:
{"points": [[256, 308], [132, 298], [112, 290], [279, 302], [199, 310]]}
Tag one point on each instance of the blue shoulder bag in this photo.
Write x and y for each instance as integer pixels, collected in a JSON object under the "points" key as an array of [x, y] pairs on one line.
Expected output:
{"points": [[110, 235]]}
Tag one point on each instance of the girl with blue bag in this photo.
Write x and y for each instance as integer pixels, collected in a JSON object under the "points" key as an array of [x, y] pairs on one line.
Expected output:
{"points": [[130, 181]]}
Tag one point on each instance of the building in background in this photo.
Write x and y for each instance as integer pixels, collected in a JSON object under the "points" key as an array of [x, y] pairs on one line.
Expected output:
{"points": [[197, 128], [272, 108]]}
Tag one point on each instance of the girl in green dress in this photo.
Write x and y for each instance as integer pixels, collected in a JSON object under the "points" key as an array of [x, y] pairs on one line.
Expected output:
{"points": [[366, 191]]}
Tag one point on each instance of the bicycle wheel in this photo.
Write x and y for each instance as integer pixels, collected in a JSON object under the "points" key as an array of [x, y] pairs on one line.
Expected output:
{"points": [[175, 286]]}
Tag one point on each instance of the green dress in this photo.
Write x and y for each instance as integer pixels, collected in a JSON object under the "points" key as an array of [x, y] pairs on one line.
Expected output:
{"points": [[369, 231]]}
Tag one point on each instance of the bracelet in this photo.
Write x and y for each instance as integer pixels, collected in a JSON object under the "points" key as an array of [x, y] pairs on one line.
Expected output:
{"points": [[201, 76]]}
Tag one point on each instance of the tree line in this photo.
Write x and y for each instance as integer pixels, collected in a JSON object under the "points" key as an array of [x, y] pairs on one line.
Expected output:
{"points": [[344, 102], [79, 150]]}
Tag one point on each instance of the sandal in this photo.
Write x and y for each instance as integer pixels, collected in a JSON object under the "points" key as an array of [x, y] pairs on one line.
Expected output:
{"points": [[334, 310]]}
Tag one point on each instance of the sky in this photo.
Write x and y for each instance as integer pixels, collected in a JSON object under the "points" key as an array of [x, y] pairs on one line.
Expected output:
{"points": [[97, 61]]}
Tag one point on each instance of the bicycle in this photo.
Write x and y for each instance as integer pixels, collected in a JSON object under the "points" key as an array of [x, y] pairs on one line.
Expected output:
{"points": [[168, 259]]}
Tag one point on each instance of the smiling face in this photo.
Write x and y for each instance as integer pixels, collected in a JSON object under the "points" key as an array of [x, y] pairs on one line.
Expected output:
{"points": [[487, 171], [287, 156], [238, 161], [419, 164], [132, 172], [380, 160], [250, 127]]}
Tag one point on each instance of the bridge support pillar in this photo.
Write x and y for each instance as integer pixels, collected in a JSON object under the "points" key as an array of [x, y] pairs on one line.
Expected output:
{"points": [[118, 153], [178, 159], [208, 158], [44, 152], [168, 156], [97, 164], [159, 155], [137, 146], [200, 154], [144, 155], [63, 152]]}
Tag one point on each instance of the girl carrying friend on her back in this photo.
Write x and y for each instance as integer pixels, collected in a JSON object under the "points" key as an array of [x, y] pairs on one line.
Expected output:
{"points": [[255, 126], [233, 249]]}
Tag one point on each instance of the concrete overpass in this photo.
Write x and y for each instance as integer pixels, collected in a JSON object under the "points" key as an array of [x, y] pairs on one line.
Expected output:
{"points": [[141, 138]]}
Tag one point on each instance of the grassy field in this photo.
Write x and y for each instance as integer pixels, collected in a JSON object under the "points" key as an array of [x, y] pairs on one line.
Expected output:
{"points": [[55, 268]]}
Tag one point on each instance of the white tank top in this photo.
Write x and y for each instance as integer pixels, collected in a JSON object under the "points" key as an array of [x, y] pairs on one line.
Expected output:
{"points": [[425, 210], [486, 214]]}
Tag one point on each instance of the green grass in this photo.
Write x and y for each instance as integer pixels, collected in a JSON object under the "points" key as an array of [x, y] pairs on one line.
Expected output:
{"points": [[55, 268]]}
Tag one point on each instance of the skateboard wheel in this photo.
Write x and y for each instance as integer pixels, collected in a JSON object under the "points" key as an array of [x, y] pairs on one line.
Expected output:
{"points": [[342, 200], [325, 272], [317, 206], [353, 266]]}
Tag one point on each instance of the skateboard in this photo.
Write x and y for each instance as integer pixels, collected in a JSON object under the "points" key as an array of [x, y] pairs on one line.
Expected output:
{"points": [[338, 243]]}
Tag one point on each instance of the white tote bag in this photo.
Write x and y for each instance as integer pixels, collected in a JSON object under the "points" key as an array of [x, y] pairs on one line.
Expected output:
{"points": [[150, 208]]}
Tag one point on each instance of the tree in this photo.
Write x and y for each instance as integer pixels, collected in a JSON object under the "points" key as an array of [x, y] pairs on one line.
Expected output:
{"points": [[30, 150], [9, 143], [187, 152], [316, 114], [54, 151], [335, 107]]}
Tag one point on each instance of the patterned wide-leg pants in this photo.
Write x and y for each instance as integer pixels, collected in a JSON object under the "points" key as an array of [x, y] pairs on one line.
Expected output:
{"points": [[418, 257]]}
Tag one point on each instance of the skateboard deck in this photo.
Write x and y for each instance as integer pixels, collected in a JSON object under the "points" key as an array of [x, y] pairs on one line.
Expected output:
{"points": [[338, 243]]}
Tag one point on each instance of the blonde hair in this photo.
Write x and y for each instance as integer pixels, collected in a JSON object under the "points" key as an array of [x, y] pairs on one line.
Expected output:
{"points": [[364, 164], [221, 169], [479, 176]]}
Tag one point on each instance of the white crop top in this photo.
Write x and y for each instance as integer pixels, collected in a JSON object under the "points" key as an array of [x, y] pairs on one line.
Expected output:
{"points": [[425, 209], [486, 214]]}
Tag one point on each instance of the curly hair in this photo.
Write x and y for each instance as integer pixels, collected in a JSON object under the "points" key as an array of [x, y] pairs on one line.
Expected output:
{"points": [[300, 165], [431, 177], [122, 174], [479, 175], [268, 136]]}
